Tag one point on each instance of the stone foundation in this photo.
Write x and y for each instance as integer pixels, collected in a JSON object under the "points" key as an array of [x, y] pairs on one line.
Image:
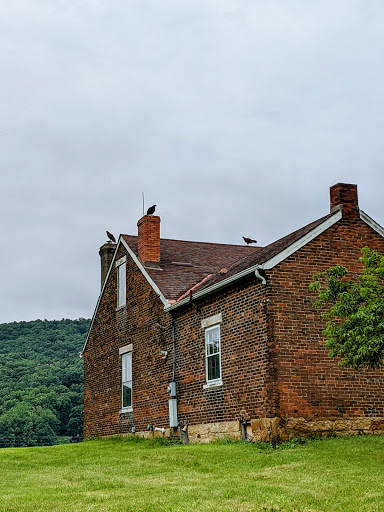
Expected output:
{"points": [[207, 432], [272, 430], [277, 430]]}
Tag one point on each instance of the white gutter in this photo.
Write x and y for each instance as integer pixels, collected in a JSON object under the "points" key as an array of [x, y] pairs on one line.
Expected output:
{"points": [[214, 287], [269, 264]]}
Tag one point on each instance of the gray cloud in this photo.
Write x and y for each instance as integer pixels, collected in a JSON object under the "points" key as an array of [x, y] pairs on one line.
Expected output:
{"points": [[235, 117]]}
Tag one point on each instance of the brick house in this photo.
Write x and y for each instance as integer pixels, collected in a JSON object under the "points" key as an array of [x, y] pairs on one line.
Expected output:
{"points": [[204, 340]]}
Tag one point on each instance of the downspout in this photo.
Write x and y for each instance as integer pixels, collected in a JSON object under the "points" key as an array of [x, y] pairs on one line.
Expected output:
{"points": [[259, 276], [173, 350], [172, 402], [272, 393]]}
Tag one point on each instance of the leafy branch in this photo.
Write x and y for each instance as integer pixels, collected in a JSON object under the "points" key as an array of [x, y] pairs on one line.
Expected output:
{"points": [[355, 318]]}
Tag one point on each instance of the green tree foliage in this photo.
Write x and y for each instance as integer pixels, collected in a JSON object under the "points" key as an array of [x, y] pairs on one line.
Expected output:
{"points": [[355, 311], [41, 381], [24, 425]]}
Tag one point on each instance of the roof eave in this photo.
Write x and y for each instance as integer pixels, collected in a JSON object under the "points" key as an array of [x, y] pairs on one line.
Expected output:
{"points": [[141, 267], [267, 265], [371, 223], [213, 288], [101, 294], [143, 271]]}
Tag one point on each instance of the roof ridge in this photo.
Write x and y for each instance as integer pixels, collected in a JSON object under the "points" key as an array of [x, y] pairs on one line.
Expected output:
{"points": [[250, 260], [200, 243]]}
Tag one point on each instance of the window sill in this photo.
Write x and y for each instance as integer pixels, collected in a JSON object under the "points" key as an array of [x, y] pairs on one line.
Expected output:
{"points": [[126, 409], [121, 307], [213, 384]]}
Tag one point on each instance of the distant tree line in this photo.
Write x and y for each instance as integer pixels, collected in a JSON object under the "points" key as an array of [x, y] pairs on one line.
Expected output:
{"points": [[41, 381]]}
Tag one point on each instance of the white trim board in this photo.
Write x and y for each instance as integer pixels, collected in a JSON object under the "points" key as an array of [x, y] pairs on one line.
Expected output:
{"points": [[267, 265], [154, 286], [304, 240], [101, 294], [371, 223], [143, 271]]}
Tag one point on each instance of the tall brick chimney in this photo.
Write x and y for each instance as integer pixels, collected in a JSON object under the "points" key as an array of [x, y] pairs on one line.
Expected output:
{"points": [[106, 252], [344, 196], [148, 243]]}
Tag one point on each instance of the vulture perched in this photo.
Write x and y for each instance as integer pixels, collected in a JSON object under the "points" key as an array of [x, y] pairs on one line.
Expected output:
{"points": [[249, 240], [111, 237], [151, 210]]}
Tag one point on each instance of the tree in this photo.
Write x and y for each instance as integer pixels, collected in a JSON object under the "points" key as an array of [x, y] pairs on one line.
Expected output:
{"points": [[24, 425], [355, 318], [41, 381]]}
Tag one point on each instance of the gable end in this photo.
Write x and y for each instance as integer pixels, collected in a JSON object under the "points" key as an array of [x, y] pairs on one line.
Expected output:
{"points": [[371, 223], [291, 249], [155, 288], [267, 265]]}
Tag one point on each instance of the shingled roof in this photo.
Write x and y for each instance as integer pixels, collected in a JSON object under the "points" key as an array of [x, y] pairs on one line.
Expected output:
{"points": [[184, 263], [264, 255], [197, 266]]}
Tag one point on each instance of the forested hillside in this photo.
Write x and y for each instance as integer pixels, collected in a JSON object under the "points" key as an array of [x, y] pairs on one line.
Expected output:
{"points": [[41, 381]]}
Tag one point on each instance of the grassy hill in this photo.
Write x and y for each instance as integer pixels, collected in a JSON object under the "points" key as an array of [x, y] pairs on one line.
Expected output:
{"points": [[41, 381], [331, 475]]}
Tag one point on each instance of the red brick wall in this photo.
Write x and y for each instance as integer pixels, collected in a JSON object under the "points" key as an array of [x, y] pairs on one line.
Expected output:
{"points": [[134, 323], [244, 357], [309, 382], [247, 389], [273, 357]]}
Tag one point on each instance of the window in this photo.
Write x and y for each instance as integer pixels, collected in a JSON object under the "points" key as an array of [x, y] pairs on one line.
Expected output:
{"points": [[212, 352], [121, 284], [126, 380]]}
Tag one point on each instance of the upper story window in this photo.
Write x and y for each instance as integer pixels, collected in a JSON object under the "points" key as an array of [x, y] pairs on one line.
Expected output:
{"points": [[121, 265], [212, 353]]}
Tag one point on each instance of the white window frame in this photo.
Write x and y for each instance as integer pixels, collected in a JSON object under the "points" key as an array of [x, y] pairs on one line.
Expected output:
{"points": [[126, 375], [218, 380], [121, 267]]}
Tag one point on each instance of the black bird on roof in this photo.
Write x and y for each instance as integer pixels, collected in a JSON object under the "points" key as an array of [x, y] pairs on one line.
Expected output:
{"points": [[111, 237], [151, 210], [249, 240]]}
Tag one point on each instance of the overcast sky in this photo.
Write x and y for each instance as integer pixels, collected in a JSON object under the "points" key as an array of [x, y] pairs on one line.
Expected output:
{"points": [[233, 116]]}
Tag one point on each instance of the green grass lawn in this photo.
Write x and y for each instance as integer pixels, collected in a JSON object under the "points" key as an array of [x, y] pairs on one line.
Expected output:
{"points": [[345, 475]]}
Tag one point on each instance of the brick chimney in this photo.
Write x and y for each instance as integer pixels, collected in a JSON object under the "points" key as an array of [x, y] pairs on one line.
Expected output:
{"points": [[106, 252], [148, 243], [344, 196]]}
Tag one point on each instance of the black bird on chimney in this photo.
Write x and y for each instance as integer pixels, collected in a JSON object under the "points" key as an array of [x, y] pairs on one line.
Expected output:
{"points": [[111, 237], [151, 210], [249, 240]]}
